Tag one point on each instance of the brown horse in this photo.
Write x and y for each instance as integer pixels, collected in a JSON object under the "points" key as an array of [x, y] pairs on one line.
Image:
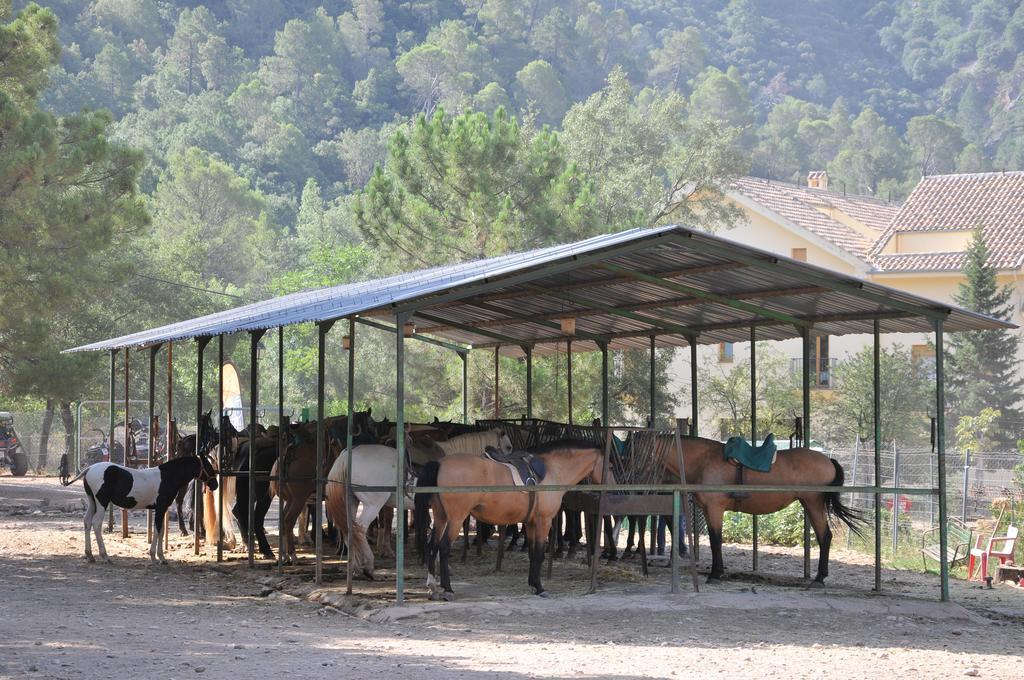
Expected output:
{"points": [[298, 486], [705, 464], [566, 462]]}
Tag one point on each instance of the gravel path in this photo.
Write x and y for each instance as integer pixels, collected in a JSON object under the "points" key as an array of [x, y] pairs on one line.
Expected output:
{"points": [[65, 618]]}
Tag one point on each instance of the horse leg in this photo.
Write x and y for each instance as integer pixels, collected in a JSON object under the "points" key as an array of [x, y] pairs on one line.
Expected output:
{"points": [[819, 520], [293, 508], [714, 516], [260, 513], [535, 536], [156, 548], [384, 519], [90, 513], [448, 536], [179, 499]]}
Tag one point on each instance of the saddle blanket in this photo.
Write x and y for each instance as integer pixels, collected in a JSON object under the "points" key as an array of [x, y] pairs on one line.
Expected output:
{"points": [[761, 458], [526, 469]]}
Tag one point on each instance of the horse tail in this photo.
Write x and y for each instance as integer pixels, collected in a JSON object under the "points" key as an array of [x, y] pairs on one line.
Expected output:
{"points": [[421, 514], [77, 477], [852, 518], [334, 498]]}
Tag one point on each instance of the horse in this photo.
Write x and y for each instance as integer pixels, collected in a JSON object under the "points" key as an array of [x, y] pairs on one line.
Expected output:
{"points": [[153, 488], [566, 462], [186, 446], [298, 483], [704, 463], [372, 465], [476, 442]]}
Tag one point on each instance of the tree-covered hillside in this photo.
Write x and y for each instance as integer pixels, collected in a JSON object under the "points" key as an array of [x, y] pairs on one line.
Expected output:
{"points": [[289, 144]]}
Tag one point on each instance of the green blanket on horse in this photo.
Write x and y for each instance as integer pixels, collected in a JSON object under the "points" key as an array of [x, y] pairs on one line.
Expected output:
{"points": [[760, 458]]}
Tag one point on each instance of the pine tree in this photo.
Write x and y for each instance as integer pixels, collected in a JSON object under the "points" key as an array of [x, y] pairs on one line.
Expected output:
{"points": [[982, 365]]}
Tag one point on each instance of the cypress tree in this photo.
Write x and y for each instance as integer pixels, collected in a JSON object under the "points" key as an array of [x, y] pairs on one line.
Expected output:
{"points": [[982, 365]]}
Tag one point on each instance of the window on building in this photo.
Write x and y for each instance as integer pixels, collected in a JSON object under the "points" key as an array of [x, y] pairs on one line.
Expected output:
{"points": [[725, 352], [923, 358], [799, 254]]}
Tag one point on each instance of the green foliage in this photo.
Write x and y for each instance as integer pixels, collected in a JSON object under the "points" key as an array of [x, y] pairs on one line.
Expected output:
{"points": [[982, 366], [972, 431], [472, 186], [785, 527], [905, 395]]}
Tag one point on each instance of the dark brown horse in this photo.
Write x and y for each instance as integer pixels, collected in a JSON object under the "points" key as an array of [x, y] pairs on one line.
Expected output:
{"points": [[566, 462], [705, 464]]}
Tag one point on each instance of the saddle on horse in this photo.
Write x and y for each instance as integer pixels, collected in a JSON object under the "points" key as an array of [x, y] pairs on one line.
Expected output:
{"points": [[742, 454], [526, 469]]}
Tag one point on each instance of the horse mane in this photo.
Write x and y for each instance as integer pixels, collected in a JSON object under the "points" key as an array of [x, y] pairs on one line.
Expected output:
{"points": [[568, 443], [180, 461]]}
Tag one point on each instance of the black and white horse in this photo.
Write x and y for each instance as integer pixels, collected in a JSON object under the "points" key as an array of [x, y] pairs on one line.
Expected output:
{"points": [[153, 488]]}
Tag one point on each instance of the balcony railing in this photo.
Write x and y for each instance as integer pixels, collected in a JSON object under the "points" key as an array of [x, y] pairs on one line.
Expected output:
{"points": [[823, 378]]}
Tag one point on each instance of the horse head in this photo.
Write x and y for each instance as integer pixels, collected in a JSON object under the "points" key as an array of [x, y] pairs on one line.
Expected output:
{"points": [[504, 442], [207, 473]]}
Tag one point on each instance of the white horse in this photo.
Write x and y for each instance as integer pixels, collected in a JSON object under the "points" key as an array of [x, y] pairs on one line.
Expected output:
{"points": [[376, 465]]}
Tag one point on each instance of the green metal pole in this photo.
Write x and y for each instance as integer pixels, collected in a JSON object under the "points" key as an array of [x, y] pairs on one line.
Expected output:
{"points": [[693, 386], [653, 386], [753, 426], [220, 447], [568, 372], [254, 388], [940, 438], [604, 383], [400, 479], [321, 439], [282, 444], [124, 461], [151, 430], [198, 490], [110, 436], [529, 380], [876, 386], [348, 446], [497, 382], [465, 387], [806, 335]]}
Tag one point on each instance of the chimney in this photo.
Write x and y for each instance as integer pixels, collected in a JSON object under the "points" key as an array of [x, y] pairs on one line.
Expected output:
{"points": [[817, 179]]}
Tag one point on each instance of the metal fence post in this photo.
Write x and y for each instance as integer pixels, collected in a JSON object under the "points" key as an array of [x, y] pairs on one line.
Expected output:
{"points": [[318, 517], [895, 498], [940, 415], [807, 436], [349, 505], [528, 350], [400, 436], [220, 448], [877, 420], [753, 428], [197, 489]]}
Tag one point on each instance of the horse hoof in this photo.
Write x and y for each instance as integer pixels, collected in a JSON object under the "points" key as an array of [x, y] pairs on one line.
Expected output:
{"points": [[715, 578], [448, 596], [434, 596], [90, 558], [816, 584], [368, 574], [543, 594]]}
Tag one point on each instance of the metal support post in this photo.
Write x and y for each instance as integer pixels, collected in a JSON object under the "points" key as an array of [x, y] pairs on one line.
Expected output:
{"points": [[282, 444], [197, 520], [254, 389], [349, 505], [753, 427], [528, 350], [169, 449], [151, 430], [321, 440], [220, 448], [693, 386], [465, 387], [400, 479], [127, 438], [497, 383], [568, 380], [110, 432], [895, 499], [654, 394], [604, 383], [877, 408], [940, 438], [806, 335]]}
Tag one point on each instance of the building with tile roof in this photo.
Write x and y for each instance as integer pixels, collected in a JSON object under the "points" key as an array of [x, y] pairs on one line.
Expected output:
{"points": [[918, 246]]}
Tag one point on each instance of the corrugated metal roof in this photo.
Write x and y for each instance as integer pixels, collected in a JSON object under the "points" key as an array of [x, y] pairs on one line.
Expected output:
{"points": [[519, 298]]}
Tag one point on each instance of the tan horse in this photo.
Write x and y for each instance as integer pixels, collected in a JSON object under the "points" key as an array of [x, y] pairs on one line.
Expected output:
{"points": [[567, 462], [705, 464]]}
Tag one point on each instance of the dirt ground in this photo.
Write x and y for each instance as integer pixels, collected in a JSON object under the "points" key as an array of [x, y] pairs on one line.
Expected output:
{"points": [[65, 618]]}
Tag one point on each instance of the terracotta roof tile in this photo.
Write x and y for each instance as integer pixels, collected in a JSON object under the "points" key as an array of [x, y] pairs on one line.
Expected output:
{"points": [[804, 207], [993, 201]]}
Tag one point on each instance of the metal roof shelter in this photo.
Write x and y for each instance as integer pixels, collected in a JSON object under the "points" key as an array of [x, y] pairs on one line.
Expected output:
{"points": [[635, 289], [671, 282]]}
